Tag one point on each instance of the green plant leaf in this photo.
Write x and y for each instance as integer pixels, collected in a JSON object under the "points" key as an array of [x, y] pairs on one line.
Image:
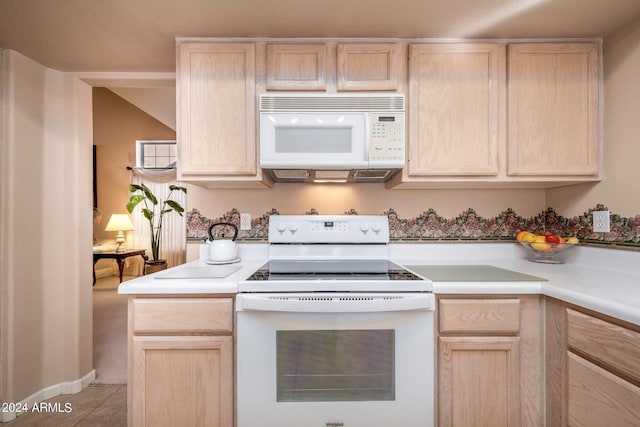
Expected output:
{"points": [[149, 195], [175, 205], [147, 214], [134, 187], [176, 187], [133, 202]]}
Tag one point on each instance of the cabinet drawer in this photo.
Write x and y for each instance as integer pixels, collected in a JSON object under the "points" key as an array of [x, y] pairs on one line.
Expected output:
{"points": [[609, 344], [480, 316], [599, 398], [182, 315]]}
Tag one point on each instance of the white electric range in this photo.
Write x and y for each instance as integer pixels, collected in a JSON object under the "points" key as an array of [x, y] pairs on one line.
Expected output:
{"points": [[332, 333]]}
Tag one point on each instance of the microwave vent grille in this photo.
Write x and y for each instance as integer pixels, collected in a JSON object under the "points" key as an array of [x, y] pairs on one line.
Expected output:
{"points": [[338, 102], [295, 174], [371, 174]]}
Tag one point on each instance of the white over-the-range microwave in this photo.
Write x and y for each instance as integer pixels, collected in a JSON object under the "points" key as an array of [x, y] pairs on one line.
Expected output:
{"points": [[332, 137]]}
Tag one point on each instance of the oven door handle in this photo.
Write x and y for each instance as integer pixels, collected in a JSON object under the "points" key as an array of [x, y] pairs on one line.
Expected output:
{"points": [[335, 303]]}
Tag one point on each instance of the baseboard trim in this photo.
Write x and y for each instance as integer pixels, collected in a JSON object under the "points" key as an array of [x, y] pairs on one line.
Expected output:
{"points": [[69, 387]]}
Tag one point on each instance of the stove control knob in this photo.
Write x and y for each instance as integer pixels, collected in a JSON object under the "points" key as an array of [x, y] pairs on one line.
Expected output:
{"points": [[376, 227], [364, 227], [281, 227], [293, 227]]}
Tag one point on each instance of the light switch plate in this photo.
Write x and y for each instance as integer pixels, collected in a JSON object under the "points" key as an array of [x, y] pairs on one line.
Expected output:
{"points": [[601, 222], [245, 221]]}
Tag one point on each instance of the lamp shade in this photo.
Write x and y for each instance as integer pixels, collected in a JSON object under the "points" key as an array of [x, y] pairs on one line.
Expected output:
{"points": [[119, 222]]}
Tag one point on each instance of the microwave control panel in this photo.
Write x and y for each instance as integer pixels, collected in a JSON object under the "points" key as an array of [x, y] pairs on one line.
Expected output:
{"points": [[386, 138]]}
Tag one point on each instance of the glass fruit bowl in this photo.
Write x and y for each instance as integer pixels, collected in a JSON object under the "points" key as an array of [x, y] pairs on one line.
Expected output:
{"points": [[546, 252]]}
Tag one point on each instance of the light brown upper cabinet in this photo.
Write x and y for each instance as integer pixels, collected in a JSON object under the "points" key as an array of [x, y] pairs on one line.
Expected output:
{"points": [[455, 96], [553, 109], [482, 115], [331, 67], [296, 66], [368, 66], [216, 114]]}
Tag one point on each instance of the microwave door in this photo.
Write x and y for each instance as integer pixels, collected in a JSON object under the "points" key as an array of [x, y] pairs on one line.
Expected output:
{"points": [[313, 140]]}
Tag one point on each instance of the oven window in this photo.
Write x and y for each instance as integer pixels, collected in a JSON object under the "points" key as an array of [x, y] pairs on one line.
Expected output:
{"points": [[335, 365]]}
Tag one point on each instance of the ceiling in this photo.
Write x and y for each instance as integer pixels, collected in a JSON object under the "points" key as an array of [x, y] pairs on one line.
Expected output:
{"points": [[139, 35], [108, 41]]}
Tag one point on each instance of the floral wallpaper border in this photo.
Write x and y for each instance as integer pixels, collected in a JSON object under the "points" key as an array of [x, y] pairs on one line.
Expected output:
{"points": [[466, 227]]}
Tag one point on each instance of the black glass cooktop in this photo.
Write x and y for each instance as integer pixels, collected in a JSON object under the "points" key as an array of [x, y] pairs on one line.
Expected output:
{"points": [[282, 270]]}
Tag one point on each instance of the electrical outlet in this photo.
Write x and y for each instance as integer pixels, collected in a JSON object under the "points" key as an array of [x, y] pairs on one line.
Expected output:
{"points": [[601, 222], [245, 221]]}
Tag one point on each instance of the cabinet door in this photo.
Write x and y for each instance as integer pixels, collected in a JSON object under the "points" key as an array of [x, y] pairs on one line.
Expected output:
{"points": [[298, 66], [368, 66], [456, 96], [182, 381], [479, 382], [553, 109], [216, 110]]}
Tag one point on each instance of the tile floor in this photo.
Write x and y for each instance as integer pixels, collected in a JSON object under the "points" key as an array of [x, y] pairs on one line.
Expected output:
{"points": [[99, 405]]}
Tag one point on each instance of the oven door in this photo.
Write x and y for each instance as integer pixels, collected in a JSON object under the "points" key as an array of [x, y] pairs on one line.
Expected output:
{"points": [[352, 360]]}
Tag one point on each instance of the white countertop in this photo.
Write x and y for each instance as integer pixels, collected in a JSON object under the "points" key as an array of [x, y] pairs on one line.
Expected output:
{"points": [[155, 284], [603, 280]]}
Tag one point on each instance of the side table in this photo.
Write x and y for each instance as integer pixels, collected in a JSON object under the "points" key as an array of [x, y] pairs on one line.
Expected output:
{"points": [[119, 257]]}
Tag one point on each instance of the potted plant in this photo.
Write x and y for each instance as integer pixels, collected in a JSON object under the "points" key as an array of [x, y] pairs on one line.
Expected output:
{"points": [[154, 210]]}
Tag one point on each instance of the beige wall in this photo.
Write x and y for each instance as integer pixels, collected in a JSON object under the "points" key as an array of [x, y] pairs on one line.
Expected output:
{"points": [[45, 220], [619, 187], [366, 199], [117, 125]]}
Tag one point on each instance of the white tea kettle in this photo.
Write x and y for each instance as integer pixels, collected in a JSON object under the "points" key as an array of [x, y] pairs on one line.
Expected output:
{"points": [[223, 250]]}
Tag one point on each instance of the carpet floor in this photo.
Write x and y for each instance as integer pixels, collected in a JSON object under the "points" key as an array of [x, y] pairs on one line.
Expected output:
{"points": [[109, 332]]}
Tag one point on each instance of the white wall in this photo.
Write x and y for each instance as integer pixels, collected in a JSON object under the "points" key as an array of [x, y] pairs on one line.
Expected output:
{"points": [[46, 228]]}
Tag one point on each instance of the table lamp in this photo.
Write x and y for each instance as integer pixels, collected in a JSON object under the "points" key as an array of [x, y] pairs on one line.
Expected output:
{"points": [[119, 223]]}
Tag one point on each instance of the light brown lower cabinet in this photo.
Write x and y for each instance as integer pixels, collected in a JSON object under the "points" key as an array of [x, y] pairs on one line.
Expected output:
{"points": [[468, 367], [490, 361], [493, 369], [181, 362], [593, 368]]}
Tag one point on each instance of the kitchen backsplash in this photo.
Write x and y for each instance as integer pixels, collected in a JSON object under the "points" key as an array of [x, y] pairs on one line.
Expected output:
{"points": [[468, 226]]}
